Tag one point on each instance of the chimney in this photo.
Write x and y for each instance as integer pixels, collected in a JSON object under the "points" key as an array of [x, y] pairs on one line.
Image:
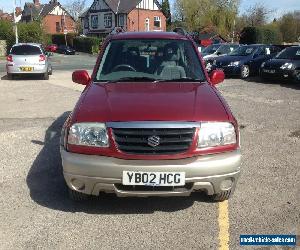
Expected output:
{"points": [[36, 2], [18, 11]]}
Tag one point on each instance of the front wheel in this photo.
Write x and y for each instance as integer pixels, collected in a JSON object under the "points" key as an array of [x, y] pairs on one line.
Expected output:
{"points": [[245, 71], [224, 195]]}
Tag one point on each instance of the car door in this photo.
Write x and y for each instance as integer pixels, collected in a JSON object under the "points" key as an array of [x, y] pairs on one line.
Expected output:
{"points": [[261, 55]]}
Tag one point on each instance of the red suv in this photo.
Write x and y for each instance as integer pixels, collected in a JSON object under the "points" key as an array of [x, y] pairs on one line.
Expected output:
{"points": [[150, 122]]}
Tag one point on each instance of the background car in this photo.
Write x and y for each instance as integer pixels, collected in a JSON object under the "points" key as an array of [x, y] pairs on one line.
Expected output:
{"points": [[245, 60], [67, 50], [51, 48], [224, 49], [285, 65], [210, 49], [28, 58]]}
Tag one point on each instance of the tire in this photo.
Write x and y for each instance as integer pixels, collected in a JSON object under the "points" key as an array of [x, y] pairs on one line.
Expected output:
{"points": [[225, 195], [77, 196], [45, 76], [245, 71], [297, 77], [50, 71]]}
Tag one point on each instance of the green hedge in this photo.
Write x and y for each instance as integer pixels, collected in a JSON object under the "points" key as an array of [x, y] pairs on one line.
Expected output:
{"points": [[28, 32], [60, 39], [265, 34], [6, 33], [87, 44]]}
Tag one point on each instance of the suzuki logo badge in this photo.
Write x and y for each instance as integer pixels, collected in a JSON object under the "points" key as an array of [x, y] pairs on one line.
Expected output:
{"points": [[153, 141]]}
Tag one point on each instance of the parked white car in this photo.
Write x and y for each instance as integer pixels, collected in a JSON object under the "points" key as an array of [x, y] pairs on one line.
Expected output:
{"points": [[28, 58]]}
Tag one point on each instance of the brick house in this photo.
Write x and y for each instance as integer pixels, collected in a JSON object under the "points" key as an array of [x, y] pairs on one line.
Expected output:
{"points": [[55, 19], [6, 16], [131, 15]]}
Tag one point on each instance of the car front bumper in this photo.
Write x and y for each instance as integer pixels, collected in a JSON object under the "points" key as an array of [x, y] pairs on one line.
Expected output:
{"points": [[280, 74], [91, 174]]}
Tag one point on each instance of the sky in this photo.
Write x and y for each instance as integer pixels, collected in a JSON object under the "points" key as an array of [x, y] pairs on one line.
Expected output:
{"points": [[279, 6]]}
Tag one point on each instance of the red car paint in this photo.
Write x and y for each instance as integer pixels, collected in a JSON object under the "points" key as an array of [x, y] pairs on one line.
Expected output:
{"points": [[113, 102], [51, 48]]}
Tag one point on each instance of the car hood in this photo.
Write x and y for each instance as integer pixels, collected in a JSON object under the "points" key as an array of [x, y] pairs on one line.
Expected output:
{"points": [[277, 63], [150, 102], [225, 60]]}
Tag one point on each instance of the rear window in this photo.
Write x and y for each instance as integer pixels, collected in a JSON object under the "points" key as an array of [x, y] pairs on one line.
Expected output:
{"points": [[25, 50]]}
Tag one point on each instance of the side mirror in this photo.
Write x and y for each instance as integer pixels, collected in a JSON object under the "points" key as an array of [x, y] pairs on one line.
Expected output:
{"points": [[81, 77], [216, 77]]}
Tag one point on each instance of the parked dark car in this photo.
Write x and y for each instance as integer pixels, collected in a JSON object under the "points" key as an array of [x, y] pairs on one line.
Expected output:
{"points": [[285, 65], [67, 50], [222, 50], [210, 49], [245, 60]]}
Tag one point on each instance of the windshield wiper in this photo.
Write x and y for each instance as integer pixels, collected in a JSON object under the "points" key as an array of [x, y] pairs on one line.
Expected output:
{"points": [[136, 78], [182, 79]]}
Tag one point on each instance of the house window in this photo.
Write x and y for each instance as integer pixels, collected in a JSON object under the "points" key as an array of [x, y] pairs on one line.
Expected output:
{"points": [[94, 21], [108, 20], [121, 20], [57, 27], [86, 22], [147, 24], [157, 22]]}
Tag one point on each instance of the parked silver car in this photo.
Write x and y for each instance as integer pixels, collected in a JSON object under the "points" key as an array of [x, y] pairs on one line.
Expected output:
{"points": [[28, 58]]}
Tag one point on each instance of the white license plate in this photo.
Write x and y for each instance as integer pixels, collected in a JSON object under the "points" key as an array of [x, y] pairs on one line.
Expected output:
{"points": [[271, 71], [153, 178]]}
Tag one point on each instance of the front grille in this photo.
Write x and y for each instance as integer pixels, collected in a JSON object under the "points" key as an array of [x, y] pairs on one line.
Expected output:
{"points": [[171, 140], [131, 188]]}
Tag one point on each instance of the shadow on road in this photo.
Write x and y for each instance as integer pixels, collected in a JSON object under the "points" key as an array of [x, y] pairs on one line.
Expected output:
{"points": [[47, 186], [283, 83]]}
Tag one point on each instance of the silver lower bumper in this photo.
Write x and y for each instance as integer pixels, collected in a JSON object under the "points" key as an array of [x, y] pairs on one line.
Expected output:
{"points": [[92, 174]]}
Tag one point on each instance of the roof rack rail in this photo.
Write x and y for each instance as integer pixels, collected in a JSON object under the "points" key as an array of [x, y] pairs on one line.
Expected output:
{"points": [[181, 31], [117, 30]]}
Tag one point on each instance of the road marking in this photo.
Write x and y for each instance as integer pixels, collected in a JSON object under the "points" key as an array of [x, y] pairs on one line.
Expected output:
{"points": [[223, 226]]}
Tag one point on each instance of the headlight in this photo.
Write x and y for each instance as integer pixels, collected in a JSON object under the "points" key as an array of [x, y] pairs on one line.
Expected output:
{"points": [[212, 134], [263, 64], [208, 66], [287, 66], [234, 63], [88, 134]]}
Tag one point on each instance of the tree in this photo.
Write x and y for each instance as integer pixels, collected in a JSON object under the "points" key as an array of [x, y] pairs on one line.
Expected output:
{"points": [[198, 14], [75, 8], [289, 26], [257, 15], [167, 11]]}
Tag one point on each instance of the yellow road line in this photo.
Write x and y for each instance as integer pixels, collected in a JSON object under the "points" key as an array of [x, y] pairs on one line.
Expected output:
{"points": [[223, 226]]}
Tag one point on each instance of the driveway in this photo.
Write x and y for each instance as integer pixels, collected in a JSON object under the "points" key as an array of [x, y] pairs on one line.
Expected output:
{"points": [[36, 211]]}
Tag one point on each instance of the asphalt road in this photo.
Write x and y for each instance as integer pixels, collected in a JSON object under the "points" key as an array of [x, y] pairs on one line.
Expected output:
{"points": [[36, 211]]}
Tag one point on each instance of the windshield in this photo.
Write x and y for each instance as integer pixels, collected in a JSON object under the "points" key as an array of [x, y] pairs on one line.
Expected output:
{"points": [[211, 49], [22, 50], [292, 53], [243, 51], [226, 48], [150, 60]]}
